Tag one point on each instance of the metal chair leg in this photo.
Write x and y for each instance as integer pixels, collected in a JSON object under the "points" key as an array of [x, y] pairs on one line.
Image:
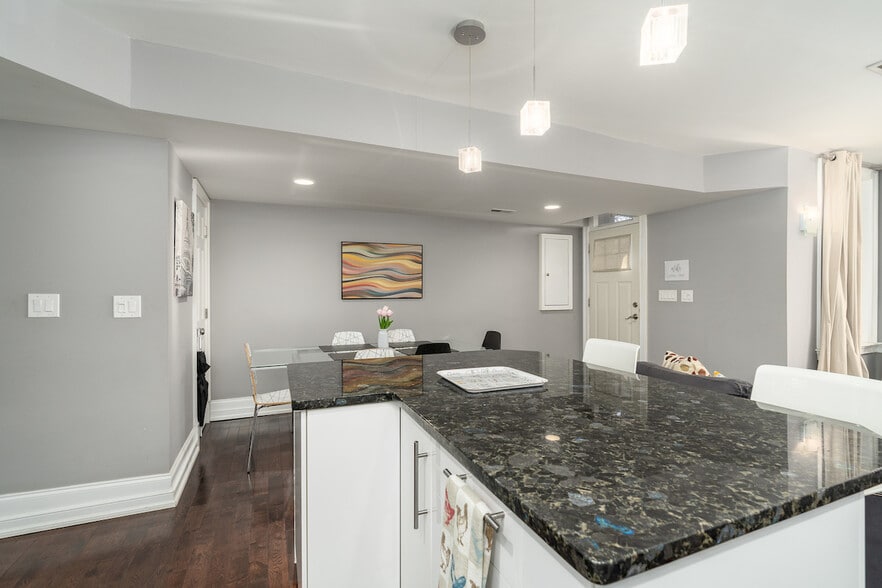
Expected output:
{"points": [[251, 441]]}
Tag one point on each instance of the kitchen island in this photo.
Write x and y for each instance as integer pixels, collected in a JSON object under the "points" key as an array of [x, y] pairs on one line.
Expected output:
{"points": [[622, 479]]}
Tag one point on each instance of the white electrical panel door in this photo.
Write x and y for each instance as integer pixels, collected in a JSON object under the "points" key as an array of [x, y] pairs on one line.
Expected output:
{"points": [[556, 272]]}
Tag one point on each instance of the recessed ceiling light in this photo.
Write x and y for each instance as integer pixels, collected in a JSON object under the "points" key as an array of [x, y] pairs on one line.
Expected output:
{"points": [[304, 181], [552, 206]]}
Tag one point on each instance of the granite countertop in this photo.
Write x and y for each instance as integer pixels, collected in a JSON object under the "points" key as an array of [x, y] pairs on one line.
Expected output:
{"points": [[644, 471]]}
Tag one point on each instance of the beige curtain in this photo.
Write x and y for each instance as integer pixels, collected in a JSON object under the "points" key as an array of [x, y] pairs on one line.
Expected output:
{"points": [[840, 349]]}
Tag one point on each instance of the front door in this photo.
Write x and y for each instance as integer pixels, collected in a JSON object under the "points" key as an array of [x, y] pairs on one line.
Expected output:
{"points": [[614, 305]]}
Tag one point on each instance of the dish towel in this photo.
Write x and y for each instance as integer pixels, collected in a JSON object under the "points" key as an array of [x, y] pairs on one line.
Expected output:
{"points": [[466, 542]]}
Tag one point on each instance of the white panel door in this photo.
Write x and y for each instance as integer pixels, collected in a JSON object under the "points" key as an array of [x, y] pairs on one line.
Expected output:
{"points": [[614, 311], [202, 280]]}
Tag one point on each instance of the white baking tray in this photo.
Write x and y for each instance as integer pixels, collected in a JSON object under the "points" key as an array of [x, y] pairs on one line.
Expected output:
{"points": [[489, 379]]}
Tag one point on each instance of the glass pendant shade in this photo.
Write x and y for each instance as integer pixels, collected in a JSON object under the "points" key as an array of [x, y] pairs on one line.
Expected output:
{"points": [[663, 36], [469, 160], [535, 117]]}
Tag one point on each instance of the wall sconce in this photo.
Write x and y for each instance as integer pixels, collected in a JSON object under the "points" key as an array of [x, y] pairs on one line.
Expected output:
{"points": [[809, 220]]}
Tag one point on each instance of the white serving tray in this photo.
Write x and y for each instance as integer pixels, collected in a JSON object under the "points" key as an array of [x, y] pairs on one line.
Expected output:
{"points": [[489, 379]]}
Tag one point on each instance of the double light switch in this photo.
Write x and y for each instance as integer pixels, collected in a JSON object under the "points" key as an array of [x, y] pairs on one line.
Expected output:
{"points": [[44, 305], [126, 307]]}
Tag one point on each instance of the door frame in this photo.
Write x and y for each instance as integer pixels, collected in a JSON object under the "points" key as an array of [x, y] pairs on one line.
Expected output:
{"points": [[200, 197], [642, 269]]}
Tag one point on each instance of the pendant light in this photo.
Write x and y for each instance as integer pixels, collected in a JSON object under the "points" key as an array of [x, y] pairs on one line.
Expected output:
{"points": [[663, 36], [469, 32], [535, 114]]}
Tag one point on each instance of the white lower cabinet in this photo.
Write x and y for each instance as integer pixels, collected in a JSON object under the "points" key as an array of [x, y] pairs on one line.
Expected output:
{"points": [[347, 496], [419, 506]]}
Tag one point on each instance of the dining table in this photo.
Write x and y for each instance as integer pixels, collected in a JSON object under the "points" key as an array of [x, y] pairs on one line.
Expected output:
{"points": [[276, 357]]}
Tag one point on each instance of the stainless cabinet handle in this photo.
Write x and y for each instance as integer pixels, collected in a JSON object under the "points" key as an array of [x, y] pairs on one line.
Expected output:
{"points": [[417, 512]]}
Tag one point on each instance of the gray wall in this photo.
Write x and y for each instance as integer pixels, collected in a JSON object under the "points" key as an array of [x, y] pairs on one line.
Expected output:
{"points": [[180, 335], [737, 260], [275, 282], [85, 397]]}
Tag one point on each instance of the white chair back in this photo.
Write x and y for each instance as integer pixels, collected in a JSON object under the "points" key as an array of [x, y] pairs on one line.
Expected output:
{"points": [[348, 338], [836, 396], [401, 336], [616, 355], [371, 353]]}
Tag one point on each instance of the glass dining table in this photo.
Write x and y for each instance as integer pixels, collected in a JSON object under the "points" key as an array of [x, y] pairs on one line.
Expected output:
{"points": [[265, 358]]}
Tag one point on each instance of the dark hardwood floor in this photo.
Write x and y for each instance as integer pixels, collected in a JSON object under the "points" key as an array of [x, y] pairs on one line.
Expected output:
{"points": [[227, 530]]}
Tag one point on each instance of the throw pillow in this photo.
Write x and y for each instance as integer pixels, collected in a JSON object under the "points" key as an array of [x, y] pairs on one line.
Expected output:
{"points": [[688, 364]]}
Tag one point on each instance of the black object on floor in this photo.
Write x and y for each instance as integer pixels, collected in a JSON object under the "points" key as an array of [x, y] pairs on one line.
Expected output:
{"points": [[201, 386]]}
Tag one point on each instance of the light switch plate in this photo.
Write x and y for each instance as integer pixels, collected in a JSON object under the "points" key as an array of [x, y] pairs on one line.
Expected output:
{"points": [[667, 295], [685, 295], [126, 307], [44, 305]]}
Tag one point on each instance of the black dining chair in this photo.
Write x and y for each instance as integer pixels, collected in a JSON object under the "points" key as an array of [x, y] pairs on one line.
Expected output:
{"points": [[431, 348], [492, 340]]}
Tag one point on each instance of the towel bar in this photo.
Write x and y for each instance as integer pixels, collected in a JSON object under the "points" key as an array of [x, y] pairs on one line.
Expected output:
{"points": [[489, 518]]}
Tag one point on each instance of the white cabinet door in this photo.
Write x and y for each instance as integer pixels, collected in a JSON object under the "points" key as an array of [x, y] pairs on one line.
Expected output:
{"points": [[350, 496], [556, 272], [419, 458]]}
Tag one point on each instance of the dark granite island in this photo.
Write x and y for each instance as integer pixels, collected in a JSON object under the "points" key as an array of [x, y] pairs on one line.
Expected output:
{"points": [[619, 475]]}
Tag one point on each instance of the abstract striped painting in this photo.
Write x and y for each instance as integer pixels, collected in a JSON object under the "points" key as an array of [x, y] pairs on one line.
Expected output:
{"points": [[382, 270]]}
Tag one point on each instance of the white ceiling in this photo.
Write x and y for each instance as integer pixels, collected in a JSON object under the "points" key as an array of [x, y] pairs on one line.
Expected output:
{"points": [[250, 164], [755, 73]]}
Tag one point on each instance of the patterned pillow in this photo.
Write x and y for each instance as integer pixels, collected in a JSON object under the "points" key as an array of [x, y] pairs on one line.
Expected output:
{"points": [[687, 364]]}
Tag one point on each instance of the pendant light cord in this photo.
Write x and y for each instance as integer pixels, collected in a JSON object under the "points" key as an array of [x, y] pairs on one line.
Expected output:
{"points": [[470, 95], [534, 49]]}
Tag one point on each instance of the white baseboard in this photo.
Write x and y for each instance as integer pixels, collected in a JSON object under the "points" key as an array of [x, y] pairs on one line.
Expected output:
{"points": [[226, 409], [40, 510]]}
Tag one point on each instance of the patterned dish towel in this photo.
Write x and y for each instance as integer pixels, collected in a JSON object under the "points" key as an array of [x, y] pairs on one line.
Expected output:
{"points": [[466, 542]]}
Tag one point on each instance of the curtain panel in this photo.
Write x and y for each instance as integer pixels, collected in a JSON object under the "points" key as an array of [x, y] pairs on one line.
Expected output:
{"points": [[840, 348]]}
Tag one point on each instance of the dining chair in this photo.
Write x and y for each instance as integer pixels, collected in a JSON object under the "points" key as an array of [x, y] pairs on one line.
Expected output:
{"points": [[492, 340], [616, 355], [836, 396], [376, 352], [401, 336], [262, 399], [348, 338], [432, 348]]}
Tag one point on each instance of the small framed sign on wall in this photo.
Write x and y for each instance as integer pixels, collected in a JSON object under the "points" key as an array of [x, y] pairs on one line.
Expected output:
{"points": [[677, 270], [381, 270]]}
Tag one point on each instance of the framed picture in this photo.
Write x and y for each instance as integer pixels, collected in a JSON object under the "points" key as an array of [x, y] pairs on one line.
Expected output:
{"points": [[183, 277], [381, 270]]}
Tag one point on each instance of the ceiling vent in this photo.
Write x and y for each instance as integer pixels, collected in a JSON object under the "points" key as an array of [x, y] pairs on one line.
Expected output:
{"points": [[876, 67], [505, 210]]}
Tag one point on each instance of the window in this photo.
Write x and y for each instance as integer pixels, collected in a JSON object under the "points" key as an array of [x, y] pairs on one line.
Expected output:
{"points": [[869, 255]]}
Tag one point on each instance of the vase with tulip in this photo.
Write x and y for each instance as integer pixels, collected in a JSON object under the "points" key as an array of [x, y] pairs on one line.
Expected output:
{"points": [[385, 318]]}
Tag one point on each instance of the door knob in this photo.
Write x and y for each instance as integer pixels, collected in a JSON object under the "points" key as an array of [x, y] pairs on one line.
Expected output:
{"points": [[633, 317]]}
